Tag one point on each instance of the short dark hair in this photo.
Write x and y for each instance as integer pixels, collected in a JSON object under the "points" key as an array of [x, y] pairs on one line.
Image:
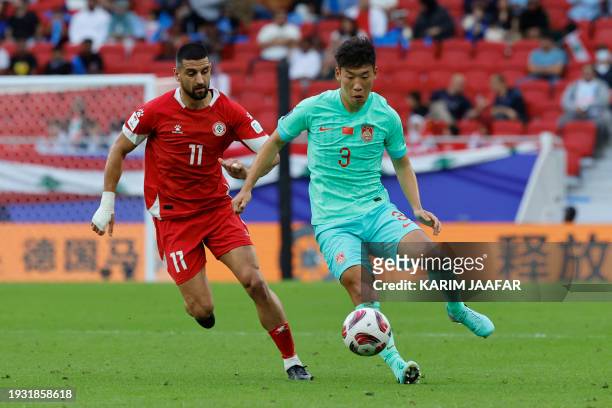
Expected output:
{"points": [[356, 52], [191, 51]]}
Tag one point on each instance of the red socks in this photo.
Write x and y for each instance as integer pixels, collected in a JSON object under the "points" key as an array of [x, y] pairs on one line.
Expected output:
{"points": [[283, 340]]}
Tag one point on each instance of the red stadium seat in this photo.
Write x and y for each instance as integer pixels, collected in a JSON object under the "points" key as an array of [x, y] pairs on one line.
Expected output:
{"points": [[525, 46], [603, 36], [573, 163], [463, 47], [541, 86], [604, 23], [470, 127], [439, 79], [507, 128], [537, 126], [513, 76], [404, 81], [419, 61], [580, 136]]}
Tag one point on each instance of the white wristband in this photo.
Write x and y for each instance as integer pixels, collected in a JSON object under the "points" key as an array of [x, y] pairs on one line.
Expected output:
{"points": [[108, 201]]}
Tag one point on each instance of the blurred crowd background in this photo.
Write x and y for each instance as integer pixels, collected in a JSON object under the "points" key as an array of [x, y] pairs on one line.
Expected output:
{"points": [[490, 67]]}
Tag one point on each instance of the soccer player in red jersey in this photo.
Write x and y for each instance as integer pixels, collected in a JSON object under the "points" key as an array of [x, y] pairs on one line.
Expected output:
{"points": [[187, 130]]}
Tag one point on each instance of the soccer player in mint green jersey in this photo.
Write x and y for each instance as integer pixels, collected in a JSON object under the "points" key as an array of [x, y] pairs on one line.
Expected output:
{"points": [[348, 130]]}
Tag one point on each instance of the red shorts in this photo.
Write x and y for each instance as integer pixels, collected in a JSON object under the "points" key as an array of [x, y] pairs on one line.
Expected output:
{"points": [[180, 241]]}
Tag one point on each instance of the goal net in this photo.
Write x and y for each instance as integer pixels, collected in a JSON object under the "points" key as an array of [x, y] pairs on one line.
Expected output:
{"points": [[54, 138]]}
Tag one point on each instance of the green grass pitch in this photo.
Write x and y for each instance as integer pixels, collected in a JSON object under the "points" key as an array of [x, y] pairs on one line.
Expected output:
{"points": [[133, 345]]}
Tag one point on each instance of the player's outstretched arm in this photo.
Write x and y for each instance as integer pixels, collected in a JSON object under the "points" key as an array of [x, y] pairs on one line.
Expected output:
{"points": [[264, 161], [105, 214], [408, 182], [238, 170]]}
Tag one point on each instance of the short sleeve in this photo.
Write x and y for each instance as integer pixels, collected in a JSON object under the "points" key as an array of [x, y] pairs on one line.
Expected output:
{"points": [[295, 122], [140, 125], [394, 139], [246, 128]]}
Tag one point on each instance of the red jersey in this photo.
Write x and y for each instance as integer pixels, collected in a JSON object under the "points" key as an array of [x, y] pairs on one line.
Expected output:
{"points": [[182, 173]]}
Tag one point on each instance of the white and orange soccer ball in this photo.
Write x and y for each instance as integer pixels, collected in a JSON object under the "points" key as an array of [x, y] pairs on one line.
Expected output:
{"points": [[366, 332]]}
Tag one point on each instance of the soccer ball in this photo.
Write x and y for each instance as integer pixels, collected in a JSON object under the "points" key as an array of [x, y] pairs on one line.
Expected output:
{"points": [[366, 331]]}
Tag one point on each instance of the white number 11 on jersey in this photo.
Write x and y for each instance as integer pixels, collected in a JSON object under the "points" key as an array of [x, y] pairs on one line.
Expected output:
{"points": [[193, 148]]}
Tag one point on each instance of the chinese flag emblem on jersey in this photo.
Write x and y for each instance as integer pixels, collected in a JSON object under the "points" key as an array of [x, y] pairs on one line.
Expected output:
{"points": [[367, 133], [347, 131]]}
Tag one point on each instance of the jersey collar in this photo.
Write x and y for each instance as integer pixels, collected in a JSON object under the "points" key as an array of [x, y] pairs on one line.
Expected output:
{"points": [[177, 97]]}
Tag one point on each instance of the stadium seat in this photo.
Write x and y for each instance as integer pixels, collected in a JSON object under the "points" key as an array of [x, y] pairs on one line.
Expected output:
{"points": [[513, 76], [404, 81], [604, 23], [537, 126], [525, 45], [507, 128], [573, 163], [439, 79], [603, 36], [421, 61], [541, 86], [470, 127], [580, 136], [558, 17], [459, 46]]}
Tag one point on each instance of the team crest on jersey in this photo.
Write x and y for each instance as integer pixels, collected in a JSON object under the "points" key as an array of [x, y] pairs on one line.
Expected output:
{"points": [[340, 258], [367, 133], [177, 129], [219, 128]]}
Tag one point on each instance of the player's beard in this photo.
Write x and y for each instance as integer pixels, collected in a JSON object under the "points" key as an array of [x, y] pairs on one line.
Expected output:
{"points": [[197, 96]]}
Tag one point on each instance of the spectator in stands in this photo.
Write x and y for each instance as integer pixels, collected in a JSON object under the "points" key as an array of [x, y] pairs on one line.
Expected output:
{"points": [[209, 35], [489, 7], [277, 38], [168, 50], [508, 103], [5, 61], [58, 65], [417, 106], [23, 61], [305, 61], [548, 61], [588, 99], [602, 64], [92, 23], [584, 10], [87, 61], [220, 81], [56, 27], [533, 21], [451, 105], [475, 24], [505, 24], [370, 18], [417, 118], [335, 8], [4, 17], [207, 10], [348, 29], [124, 23], [434, 22], [24, 24]]}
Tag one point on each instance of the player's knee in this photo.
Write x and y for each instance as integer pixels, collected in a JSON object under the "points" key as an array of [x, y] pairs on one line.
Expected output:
{"points": [[257, 288], [198, 309]]}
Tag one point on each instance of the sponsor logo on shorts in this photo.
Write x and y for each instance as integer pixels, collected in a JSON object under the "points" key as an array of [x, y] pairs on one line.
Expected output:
{"points": [[340, 258], [219, 128]]}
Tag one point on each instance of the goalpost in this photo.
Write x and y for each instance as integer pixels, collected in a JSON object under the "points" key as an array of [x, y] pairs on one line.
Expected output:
{"points": [[54, 137]]}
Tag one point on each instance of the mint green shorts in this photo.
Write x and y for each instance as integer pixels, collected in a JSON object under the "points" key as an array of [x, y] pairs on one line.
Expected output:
{"points": [[341, 242]]}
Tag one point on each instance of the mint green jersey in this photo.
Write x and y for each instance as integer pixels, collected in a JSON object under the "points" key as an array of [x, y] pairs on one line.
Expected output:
{"points": [[345, 152]]}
